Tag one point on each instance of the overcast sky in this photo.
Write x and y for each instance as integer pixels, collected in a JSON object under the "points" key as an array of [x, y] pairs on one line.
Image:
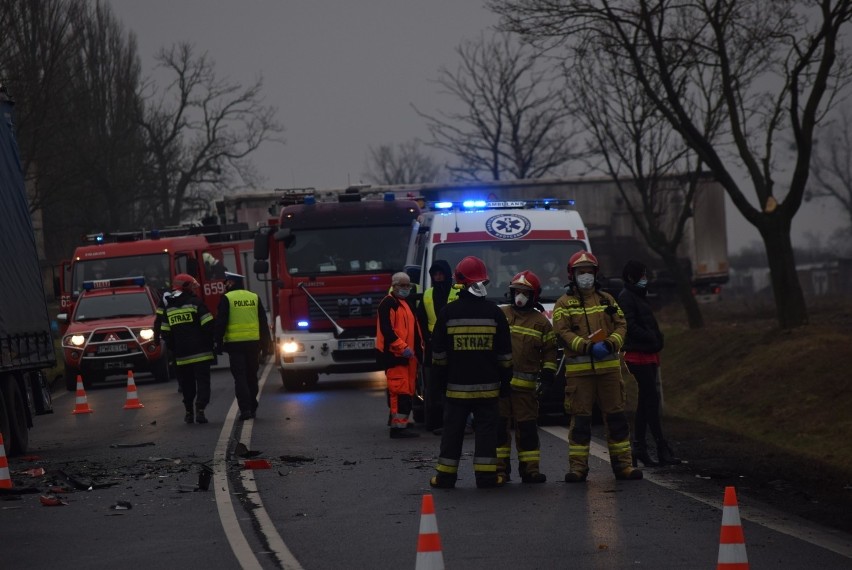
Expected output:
{"points": [[344, 75]]}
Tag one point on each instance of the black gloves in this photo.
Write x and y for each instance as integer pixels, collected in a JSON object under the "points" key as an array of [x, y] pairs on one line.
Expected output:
{"points": [[545, 381]]}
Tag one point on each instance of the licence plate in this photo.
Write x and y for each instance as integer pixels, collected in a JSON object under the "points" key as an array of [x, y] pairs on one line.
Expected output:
{"points": [[114, 365], [356, 344], [112, 348]]}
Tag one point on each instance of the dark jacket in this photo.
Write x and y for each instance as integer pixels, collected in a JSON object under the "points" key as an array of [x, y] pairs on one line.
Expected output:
{"points": [[643, 332], [472, 348], [440, 294], [187, 327]]}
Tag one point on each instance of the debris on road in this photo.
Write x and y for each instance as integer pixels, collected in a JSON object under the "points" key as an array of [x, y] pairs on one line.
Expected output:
{"points": [[125, 445], [122, 506], [51, 501], [295, 459], [256, 464]]}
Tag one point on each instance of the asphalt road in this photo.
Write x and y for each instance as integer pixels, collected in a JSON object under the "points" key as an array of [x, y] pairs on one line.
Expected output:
{"points": [[340, 493]]}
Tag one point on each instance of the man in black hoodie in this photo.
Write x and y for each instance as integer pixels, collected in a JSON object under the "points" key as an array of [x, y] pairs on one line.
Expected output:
{"points": [[434, 299]]}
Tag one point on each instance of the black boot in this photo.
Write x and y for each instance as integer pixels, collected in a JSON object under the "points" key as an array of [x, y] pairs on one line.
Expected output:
{"points": [[665, 454], [640, 454]]}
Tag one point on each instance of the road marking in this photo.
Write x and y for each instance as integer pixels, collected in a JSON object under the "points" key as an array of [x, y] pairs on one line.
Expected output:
{"points": [[823, 537], [227, 514]]}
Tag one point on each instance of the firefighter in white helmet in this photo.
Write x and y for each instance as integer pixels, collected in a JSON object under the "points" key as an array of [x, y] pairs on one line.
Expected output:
{"points": [[533, 367], [592, 328]]}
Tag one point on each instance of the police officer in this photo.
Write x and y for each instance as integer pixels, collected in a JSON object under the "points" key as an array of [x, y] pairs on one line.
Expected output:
{"points": [[472, 360], [434, 298], [533, 368], [242, 331], [400, 348], [592, 329], [187, 327]]}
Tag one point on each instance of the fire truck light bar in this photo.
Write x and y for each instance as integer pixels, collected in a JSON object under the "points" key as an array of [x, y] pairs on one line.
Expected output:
{"points": [[110, 283]]}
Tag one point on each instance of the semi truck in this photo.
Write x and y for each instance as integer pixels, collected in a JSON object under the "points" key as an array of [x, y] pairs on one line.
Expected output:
{"points": [[329, 263], [26, 341]]}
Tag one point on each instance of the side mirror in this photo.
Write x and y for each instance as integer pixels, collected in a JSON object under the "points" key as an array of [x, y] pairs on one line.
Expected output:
{"points": [[261, 266], [261, 244]]}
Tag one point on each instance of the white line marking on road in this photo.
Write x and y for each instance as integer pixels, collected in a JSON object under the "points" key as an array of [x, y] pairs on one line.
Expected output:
{"points": [[227, 514], [823, 537]]}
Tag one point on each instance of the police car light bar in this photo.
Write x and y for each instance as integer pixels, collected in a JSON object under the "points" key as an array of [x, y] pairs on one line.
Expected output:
{"points": [[137, 281]]}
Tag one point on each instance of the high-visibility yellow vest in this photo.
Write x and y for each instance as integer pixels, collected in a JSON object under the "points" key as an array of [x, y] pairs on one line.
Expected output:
{"points": [[429, 304], [243, 323]]}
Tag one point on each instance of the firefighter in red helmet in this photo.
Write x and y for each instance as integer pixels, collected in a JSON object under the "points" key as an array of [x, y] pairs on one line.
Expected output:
{"points": [[592, 328], [187, 327], [533, 368], [472, 360]]}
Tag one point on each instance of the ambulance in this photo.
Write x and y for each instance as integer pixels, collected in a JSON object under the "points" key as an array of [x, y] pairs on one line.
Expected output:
{"points": [[509, 236]]}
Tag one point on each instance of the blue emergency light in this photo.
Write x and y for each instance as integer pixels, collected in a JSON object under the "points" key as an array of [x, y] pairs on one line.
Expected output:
{"points": [[389, 197], [302, 324], [443, 205], [310, 200], [138, 281], [474, 204]]}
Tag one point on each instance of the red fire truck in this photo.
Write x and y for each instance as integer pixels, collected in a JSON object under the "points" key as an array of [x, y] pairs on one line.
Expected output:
{"points": [[204, 252], [330, 265]]}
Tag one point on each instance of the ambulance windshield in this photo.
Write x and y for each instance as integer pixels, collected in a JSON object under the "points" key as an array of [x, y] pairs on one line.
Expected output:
{"points": [[365, 249], [504, 259]]}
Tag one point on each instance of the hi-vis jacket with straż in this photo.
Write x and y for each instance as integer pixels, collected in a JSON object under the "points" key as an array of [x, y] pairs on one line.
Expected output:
{"points": [[576, 317]]}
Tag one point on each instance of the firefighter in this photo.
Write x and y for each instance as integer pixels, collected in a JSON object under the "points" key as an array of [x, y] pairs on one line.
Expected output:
{"points": [[434, 299], [400, 347], [242, 331], [472, 361], [592, 327], [187, 327], [533, 369]]}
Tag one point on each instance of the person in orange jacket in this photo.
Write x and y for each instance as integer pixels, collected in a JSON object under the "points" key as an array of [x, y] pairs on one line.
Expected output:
{"points": [[400, 347]]}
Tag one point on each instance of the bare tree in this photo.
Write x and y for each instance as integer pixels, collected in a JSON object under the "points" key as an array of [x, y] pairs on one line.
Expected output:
{"points": [[513, 123], [200, 132], [655, 172], [780, 65], [832, 165], [405, 164]]}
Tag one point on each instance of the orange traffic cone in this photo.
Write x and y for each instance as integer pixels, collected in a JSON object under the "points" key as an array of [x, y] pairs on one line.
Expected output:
{"points": [[5, 479], [732, 550], [429, 555], [132, 401], [81, 404]]}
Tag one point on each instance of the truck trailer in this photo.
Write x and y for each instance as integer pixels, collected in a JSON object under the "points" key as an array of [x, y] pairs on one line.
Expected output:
{"points": [[26, 341]]}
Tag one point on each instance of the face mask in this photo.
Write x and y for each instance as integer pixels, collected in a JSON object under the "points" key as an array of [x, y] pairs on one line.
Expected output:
{"points": [[477, 289], [642, 283], [521, 300], [585, 281], [403, 293]]}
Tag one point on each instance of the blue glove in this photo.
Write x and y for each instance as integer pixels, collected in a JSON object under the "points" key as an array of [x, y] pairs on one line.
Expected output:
{"points": [[600, 350], [407, 353]]}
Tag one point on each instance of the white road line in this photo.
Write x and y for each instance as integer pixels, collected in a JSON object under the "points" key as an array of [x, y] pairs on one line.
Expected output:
{"points": [[227, 514], [829, 539]]}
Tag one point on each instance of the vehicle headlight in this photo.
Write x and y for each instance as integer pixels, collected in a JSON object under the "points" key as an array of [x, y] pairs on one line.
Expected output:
{"points": [[290, 346], [146, 334], [78, 339]]}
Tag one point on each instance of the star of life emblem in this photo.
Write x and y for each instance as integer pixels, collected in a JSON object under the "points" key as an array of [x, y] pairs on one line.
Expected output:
{"points": [[508, 226]]}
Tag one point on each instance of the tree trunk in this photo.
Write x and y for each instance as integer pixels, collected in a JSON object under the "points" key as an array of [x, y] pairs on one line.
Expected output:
{"points": [[789, 298], [683, 286]]}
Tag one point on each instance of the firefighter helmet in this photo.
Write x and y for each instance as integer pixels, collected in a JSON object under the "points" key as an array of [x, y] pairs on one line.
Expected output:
{"points": [[470, 270], [184, 282], [527, 280], [581, 259]]}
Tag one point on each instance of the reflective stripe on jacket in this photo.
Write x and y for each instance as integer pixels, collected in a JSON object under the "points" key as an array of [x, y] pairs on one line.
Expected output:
{"points": [[576, 317], [429, 305], [187, 326], [533, 346]]}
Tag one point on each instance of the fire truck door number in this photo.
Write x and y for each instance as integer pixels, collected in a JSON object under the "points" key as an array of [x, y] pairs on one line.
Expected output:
{"points": [[214, 288]]}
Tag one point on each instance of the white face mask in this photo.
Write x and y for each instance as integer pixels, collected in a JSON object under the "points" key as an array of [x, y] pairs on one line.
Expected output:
{"points": [[477, 289], [403, 293], [521, 300], [585, 281]]}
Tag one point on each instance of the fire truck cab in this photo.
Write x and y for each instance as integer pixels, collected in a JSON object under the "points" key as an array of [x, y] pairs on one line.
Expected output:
{"points": [[157, 256], [331, 264]]}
